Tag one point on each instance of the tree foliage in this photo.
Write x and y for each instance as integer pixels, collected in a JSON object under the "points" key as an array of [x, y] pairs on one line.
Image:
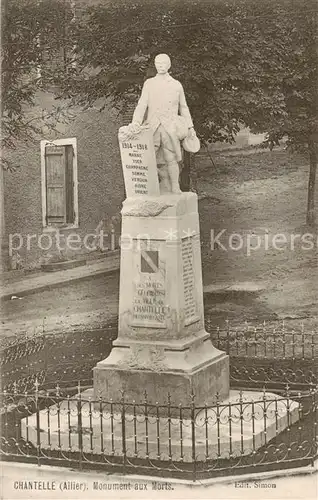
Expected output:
{"points": [[240, 62], [233, 58], [33, 34]]}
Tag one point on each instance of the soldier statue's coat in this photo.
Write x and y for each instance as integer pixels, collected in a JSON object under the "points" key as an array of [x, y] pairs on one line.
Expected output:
{"points": [[163, 104]]}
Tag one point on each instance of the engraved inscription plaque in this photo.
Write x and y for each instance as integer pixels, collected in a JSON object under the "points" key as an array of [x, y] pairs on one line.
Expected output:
{"points": [[190, 305], [139, 166]]}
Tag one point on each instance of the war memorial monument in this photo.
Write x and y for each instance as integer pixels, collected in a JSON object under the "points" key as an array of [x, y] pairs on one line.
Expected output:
{"points": [[162, 354], [162, 344]]}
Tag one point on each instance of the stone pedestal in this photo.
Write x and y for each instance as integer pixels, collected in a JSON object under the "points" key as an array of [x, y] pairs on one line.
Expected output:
{"points": [[162, 346]]}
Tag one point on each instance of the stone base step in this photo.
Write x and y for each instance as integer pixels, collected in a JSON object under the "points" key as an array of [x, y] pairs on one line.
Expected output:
{"points": [[239, 426]]}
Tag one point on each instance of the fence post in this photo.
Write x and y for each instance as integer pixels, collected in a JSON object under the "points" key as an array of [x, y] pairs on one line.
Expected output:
{"points": [[241, 422], [123, 430], [58, 394], [169, 427], [4, 422], [146, 425], [303, 341], [101, 424], [314, 410], [265, 415], [16, 420], [38, 428], [79, 425], [218, 418], [194, 469], [218, 337], [206, 421], [253, 433], [47, 349], [228, 338], [300, 423]]}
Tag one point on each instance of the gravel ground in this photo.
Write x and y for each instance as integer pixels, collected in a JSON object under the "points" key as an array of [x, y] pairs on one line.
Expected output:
{"points": [[259, 196]]}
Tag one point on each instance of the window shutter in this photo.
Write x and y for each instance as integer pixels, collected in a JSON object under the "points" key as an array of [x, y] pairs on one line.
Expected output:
{"points": [[69, 184], [55, 161]]}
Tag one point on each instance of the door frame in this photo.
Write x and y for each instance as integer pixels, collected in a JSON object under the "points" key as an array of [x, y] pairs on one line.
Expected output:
{"points": [[59, 142]]}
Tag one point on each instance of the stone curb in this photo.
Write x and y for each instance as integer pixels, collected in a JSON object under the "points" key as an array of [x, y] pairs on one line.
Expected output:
{"points": [[261, 476], [34, 285], [247, 287]]}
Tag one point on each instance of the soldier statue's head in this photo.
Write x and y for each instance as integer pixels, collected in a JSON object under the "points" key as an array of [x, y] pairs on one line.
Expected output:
{"points": [[162, 63]]}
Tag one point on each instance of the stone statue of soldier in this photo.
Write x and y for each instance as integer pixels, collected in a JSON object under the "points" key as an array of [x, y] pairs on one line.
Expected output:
{"points": [[163, 108]]}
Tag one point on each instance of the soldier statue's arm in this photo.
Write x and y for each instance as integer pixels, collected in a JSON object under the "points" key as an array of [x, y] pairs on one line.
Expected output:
{"points": [[183, 108], [141, 107]]}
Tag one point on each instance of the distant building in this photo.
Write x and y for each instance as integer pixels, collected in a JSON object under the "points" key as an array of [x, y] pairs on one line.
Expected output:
{"points": [[70, 184], [243, 139]]}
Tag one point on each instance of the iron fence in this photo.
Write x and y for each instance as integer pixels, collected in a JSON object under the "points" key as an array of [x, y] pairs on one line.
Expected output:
{"points": [[63, 424], [264, 431], [274, 354], [54, 357], [260, 354], [266, 341]]}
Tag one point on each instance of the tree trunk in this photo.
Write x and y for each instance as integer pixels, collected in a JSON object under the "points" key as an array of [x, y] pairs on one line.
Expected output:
{"points": [[188, 177], [185, 172], [310, 219]]}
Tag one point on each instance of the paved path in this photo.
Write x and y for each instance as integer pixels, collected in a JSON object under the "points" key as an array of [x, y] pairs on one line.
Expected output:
{"points": [[102, 485], [81, 305], [75, 300]]}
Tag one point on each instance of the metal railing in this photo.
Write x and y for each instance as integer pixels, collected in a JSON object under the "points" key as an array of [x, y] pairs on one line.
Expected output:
{"points": [[62, 424], [260, 354], [248, 433], [274, 354], [54, 357], [266, 341]]}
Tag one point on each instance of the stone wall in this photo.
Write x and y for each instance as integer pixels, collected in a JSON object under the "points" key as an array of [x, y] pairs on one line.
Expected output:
{"points": [[100, 186], [243, 139]]}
